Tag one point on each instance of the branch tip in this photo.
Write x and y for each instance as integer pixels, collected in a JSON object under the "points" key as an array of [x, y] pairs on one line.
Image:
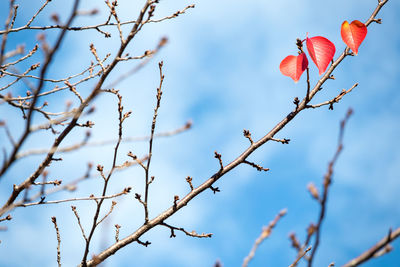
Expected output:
{"points": [[219, 157]]}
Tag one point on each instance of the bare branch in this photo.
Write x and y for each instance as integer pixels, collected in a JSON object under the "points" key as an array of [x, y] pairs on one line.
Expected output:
{"points": [[9, 25], [326, 186], [283, 141], [370, 253], [219, 157], [7, 218], [176, 14], [121, 118], [73, 118], [302, 254], [258, 167], [79, 222], [124, 192], [54, 220], [192, 234], [108, 213], [189, 181], [247, 134], [114, 14], [94, 52], [335, 99], [209, 182], [266, 232], [93, 27], [55, 182], [153, 126], [147, 55], [33, 51], [37, 13], [73, 90]]}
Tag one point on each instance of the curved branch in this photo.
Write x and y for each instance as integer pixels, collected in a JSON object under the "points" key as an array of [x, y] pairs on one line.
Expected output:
{"points": [[374, 250], [221, 172]]}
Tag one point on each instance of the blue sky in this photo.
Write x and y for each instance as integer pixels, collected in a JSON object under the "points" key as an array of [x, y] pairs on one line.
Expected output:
{"points": [[221, 68]]}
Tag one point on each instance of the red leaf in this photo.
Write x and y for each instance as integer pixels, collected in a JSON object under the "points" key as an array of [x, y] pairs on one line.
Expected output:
{"points": [[353, 34], [321, 51], [294, 66]]}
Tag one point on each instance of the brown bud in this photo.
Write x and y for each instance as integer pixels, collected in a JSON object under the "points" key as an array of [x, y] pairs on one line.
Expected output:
{"points": [[313, 191]]}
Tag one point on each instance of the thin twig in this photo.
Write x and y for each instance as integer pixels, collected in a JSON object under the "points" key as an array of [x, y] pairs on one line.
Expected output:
{"points": [[176, 14], [326, 186], [189, 181], [56, 89], [54, 220], [108, 213], [153, 126], [124, 192], [79, 222], [266, 232], [55, 182], [219, 157], [19, 50], [247, 134], [114, 14], [121, 117], [7, 218], [335, 99], [85, 142], [148, 55], [283, 141], [302, 254], [8, 26], [192, 233], [370, 253], [37, 13], [258, 167], [5, 66], [93, 27]]}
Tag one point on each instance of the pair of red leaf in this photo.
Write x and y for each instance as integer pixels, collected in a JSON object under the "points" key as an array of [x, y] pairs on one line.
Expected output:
{"points": [[321, 50]]}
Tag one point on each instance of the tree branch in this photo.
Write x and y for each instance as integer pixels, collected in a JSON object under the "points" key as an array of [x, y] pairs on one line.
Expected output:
{"points": [[221, 172], [266, 232], [370, 253]]}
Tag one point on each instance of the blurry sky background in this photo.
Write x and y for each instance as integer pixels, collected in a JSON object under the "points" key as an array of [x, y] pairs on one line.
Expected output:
{"points": [[221, 71]]}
